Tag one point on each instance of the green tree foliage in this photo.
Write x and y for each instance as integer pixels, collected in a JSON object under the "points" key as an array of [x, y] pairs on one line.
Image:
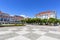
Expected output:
{"points": [[53, 21], [41, 21], [45, 21]]}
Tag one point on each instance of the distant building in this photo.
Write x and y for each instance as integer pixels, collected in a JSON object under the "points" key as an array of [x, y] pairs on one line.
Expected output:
{"points": [[7, 19], [46, 15]]}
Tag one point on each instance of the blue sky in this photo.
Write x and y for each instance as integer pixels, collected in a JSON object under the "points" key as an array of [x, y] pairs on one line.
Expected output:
{"points": [[29, 7]]}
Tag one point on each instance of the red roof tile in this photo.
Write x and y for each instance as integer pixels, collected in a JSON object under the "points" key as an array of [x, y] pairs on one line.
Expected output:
{"points": [[42, 13]]}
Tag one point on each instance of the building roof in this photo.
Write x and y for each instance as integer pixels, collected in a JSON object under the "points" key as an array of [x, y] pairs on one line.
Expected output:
{"points": [[0, 12], [4, 15], [18, 17], [42, 13]]}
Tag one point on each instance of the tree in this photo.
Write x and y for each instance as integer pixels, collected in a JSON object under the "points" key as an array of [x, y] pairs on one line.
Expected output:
{"points": [[59, 21], [33, 20], [45, 21], [22, 21], [28, 20], [53, 21], [37, 20]]}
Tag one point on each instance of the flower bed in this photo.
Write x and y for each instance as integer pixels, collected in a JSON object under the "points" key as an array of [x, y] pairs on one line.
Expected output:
{"points": [[8, 25]]}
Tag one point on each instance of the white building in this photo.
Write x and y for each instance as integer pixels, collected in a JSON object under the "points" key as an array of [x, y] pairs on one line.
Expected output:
{"points": [[6, 18], [46, 15]]}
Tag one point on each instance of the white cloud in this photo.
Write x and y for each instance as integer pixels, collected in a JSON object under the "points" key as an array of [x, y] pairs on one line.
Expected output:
{"points": [[11, 15], [24, 16]]}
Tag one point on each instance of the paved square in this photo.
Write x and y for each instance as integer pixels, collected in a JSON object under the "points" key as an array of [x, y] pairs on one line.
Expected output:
{"points": [[29, 32]]}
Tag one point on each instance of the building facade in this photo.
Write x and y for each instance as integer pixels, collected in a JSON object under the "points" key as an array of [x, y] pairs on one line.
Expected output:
{"points": [[46, 15], [7, 19]]}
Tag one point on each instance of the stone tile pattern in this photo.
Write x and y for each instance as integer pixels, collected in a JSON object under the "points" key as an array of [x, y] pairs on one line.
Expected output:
{"points": [[27, 33]]}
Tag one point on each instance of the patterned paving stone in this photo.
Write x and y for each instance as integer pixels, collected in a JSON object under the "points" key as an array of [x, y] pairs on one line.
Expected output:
{"points": [[20, 37], [4, 29], [32, 36], [40, 32], [22, 32], [6, 36], [28, 33], [46, 38], [4, 32], [53, 35]]}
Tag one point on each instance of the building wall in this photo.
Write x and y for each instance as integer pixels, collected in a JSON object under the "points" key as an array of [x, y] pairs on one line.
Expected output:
{"points": [[6, 18], [46, 15]]}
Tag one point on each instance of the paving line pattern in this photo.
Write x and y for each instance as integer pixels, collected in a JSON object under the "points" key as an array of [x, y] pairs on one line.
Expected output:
{"points": [[28, 33]]}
